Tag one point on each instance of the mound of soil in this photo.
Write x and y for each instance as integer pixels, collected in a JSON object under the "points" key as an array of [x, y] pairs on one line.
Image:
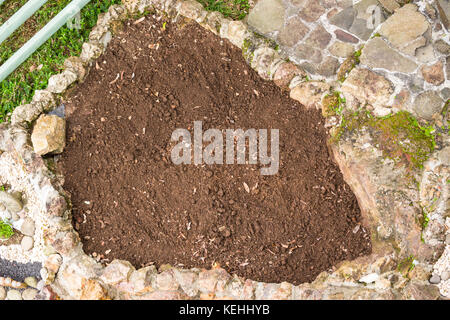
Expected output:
{"points": [[131, 202]]}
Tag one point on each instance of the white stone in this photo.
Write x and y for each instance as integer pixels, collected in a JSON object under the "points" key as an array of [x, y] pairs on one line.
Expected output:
{"points": [[370, 278], [28, 227], [2, 293], [27, 243], [116, 272], [29, 294], [60, 82], [13, 295]]}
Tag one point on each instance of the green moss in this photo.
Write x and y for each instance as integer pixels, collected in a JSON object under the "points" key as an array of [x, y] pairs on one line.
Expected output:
{"points": [[333, 104], [6, 231], [406, 265], [399, 136], [424, 220], [357, 55], [247, 51], [351, 62]]}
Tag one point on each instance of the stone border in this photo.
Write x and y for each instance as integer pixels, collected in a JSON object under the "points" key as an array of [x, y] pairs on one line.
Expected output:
{"points": [[70, 274]]}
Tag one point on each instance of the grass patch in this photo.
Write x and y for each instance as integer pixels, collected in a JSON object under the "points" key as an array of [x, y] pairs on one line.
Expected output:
{"points": [[6, 231], [234, 9], [399, 136], [33, 74]]}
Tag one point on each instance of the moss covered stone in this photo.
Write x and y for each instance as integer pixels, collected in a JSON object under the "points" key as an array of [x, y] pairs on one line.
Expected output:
{"points": [[399, 136]]}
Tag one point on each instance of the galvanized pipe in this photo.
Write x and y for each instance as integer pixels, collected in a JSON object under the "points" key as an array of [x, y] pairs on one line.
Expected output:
{"points": [[41, 37], [18, 18]]}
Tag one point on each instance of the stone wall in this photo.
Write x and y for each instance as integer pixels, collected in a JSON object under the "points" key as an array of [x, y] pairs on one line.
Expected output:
{"points": [[408, 258]]}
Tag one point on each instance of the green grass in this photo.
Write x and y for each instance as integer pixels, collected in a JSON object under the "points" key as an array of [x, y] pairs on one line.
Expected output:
{"points": [[33, 75], [6, 230], [234, 9]]}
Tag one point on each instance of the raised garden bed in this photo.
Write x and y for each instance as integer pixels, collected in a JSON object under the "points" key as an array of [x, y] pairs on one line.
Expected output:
{"points": [[131, 202]]}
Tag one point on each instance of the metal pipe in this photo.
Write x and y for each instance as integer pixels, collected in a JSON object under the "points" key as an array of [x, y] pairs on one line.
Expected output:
{"points": [[41, 37], [18, 18]]}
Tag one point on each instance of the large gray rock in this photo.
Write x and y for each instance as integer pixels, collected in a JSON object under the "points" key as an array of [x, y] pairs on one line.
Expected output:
{"points": [[404, 29], [267, 16], [377, 54], [49, 135], [10, 201], [428, 104]]}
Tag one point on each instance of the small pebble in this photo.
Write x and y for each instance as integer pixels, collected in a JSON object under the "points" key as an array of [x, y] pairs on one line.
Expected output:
{"points": [[28, 227], [31, 282], [445, 275], [27, 243], [2, 293], [29, 294], [13, 295], [435, 279]]}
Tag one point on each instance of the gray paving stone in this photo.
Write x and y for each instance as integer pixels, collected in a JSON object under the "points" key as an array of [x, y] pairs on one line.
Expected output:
{"points": [[294, 31], [267, 16], [427, 104], [344, 19], [377, 54]]}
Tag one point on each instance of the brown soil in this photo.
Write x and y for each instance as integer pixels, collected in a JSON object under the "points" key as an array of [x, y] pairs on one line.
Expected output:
{"points": [[131, 202]]}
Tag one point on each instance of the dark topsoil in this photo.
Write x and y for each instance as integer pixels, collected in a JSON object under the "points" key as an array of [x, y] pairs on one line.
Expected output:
{"points": [[131, 202]]}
